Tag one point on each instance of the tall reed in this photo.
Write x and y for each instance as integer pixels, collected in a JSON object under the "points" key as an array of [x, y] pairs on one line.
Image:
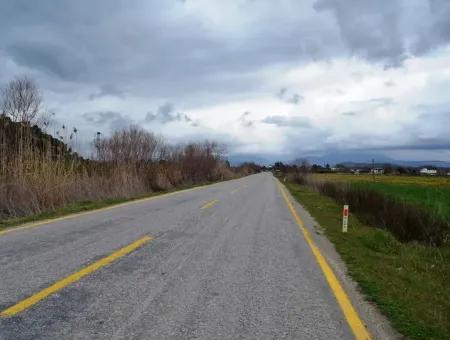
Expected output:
{"points": [[39, 173]]}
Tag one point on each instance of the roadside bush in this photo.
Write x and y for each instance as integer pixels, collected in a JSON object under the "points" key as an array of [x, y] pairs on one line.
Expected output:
{"points": [[39, 173], [298, 178]]}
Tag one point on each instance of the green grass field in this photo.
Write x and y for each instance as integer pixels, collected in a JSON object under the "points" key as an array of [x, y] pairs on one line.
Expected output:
{"points": [[407, 281], [431, 192], [426, 181]]}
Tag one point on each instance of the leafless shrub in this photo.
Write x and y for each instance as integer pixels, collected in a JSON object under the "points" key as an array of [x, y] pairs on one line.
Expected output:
{"points": [[129, 145]]}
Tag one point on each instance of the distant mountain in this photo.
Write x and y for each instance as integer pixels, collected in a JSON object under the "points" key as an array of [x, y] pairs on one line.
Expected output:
{"points": [[437, 164], [347, 157], [351, 159]]}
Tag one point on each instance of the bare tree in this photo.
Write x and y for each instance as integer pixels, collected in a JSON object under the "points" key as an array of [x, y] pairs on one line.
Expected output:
{"points": [[129, 145], [21, 100]]}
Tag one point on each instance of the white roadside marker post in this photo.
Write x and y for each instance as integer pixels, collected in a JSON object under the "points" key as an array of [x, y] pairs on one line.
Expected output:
{"points": [[345, 219]]}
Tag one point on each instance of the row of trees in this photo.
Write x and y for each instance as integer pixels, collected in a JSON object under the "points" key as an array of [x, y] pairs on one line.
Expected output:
{"points": [[303, 166]]}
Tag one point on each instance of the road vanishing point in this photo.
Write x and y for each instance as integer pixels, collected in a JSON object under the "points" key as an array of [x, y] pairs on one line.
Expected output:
{"points": [[232, 260]]}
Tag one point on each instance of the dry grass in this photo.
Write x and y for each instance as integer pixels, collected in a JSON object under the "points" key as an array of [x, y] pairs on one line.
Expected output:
{"points": [[41, 185], [43, 176]]}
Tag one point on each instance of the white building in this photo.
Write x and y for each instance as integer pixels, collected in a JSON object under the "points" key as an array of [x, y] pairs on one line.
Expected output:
{"points": [[425, 171], [377, 171]]}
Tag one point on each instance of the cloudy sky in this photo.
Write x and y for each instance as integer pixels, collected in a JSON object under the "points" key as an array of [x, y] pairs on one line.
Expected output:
{"points": [[282, 79]]}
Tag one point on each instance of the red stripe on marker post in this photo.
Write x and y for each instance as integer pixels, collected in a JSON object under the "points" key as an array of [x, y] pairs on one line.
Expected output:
{"points": [[345, 219]]}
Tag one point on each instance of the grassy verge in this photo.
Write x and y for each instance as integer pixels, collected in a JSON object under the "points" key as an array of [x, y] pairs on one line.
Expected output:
{"points": [[408, 281], [81, 207]]}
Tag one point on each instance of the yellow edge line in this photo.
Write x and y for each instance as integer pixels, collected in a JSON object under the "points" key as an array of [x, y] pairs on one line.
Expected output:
{"points": [[32, 300], [352, 317], [209, 204], [70, 216]]}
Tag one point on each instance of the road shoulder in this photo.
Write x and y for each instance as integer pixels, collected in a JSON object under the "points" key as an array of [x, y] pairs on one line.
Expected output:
{"points": [[85, 208], [377, 324]]}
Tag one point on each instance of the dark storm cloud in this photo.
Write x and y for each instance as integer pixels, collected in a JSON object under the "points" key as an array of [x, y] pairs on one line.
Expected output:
{"points": [[113, 120], [369, 28], [166, 114], [46, 57], [140, 43], [388, 30], [302, 122], [438, 29], [143, 44]]}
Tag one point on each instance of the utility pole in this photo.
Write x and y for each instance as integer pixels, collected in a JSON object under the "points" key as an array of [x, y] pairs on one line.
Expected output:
{"points": [[373, 169]]}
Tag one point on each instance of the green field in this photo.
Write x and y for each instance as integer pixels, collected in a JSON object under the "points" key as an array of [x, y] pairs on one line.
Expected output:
{"points": [[407, 281], [424, 181], [431, 192]]}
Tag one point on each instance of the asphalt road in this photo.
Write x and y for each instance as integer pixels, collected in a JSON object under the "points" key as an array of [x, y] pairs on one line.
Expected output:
{"points": [[226, 261]]}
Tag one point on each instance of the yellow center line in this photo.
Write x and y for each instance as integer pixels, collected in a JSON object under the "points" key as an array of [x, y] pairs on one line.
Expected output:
{"points": [[234, 191], [32, 300], [209, 204], [351, 315]]}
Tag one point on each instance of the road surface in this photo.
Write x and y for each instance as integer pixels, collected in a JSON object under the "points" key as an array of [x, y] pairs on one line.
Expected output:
{"points": [[226, 261]]}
